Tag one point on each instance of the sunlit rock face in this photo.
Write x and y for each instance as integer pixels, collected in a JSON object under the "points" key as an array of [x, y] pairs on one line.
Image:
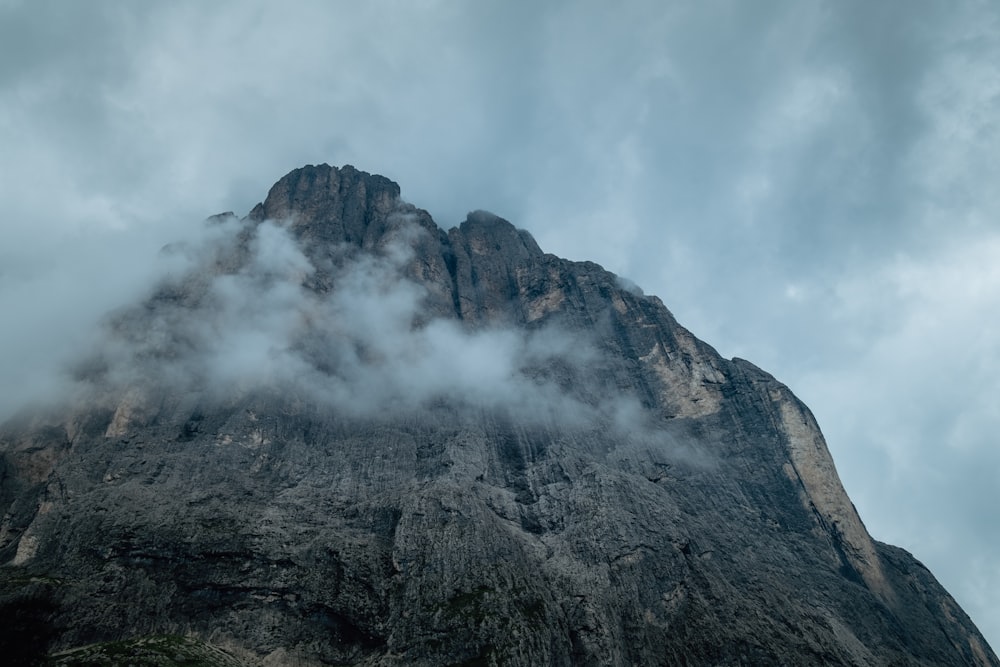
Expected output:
{"points": [[343, 435]]}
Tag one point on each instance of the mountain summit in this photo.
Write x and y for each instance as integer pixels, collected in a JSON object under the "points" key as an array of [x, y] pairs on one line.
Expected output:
{"points": [[343, 435]]}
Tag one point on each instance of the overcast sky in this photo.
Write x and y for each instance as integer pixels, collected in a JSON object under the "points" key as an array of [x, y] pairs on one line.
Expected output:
{"points": [[809, 185]]}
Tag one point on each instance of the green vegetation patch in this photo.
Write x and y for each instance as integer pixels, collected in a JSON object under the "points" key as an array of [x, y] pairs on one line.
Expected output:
{"points": [[156, 651]]}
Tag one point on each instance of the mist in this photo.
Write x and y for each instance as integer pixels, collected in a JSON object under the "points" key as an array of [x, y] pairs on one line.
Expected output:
{"points": [[56, 290], [234, 309]]}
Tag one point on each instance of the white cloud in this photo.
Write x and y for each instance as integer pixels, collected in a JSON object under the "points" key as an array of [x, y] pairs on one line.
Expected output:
{"points": [[364, 348]]}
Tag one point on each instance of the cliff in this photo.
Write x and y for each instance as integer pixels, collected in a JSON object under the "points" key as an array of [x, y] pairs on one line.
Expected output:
{"points": [[346, 436]]}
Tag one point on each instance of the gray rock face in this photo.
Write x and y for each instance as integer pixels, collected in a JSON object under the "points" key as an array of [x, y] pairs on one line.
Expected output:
{"points": [[452, 449]]}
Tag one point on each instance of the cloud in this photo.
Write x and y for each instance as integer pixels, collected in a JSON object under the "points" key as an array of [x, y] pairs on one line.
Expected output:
{"points": [[54, 293], [239, 318]]}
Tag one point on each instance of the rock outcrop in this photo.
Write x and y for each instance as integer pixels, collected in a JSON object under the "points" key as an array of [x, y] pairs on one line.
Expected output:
{"points": [[458, 450]]}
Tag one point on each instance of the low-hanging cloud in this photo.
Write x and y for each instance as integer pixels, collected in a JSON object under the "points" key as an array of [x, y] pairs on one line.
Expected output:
{"points": [[241, 316]]}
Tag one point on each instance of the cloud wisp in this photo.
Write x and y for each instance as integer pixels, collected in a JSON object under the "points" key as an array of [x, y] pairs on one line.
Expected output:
{"points": [[241, 316]]}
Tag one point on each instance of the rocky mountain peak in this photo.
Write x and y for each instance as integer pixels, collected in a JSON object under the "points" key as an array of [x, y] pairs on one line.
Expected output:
{"points": [[489, 234], [350, 437], [327, 204], [321, 188]]}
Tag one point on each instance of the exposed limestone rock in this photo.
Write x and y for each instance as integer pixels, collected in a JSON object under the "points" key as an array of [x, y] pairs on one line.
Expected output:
{"points": [[622, 495], [812, 467]]}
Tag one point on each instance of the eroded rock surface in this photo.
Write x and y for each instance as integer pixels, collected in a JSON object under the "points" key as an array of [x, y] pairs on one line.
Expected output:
{"points": [[618, 495]]}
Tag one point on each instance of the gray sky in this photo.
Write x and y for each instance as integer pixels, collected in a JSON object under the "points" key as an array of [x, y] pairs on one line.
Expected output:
{"points": [[809, 185]]}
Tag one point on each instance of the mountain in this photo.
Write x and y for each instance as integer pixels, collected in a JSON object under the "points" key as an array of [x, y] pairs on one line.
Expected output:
{"points": [[337, 434]]}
